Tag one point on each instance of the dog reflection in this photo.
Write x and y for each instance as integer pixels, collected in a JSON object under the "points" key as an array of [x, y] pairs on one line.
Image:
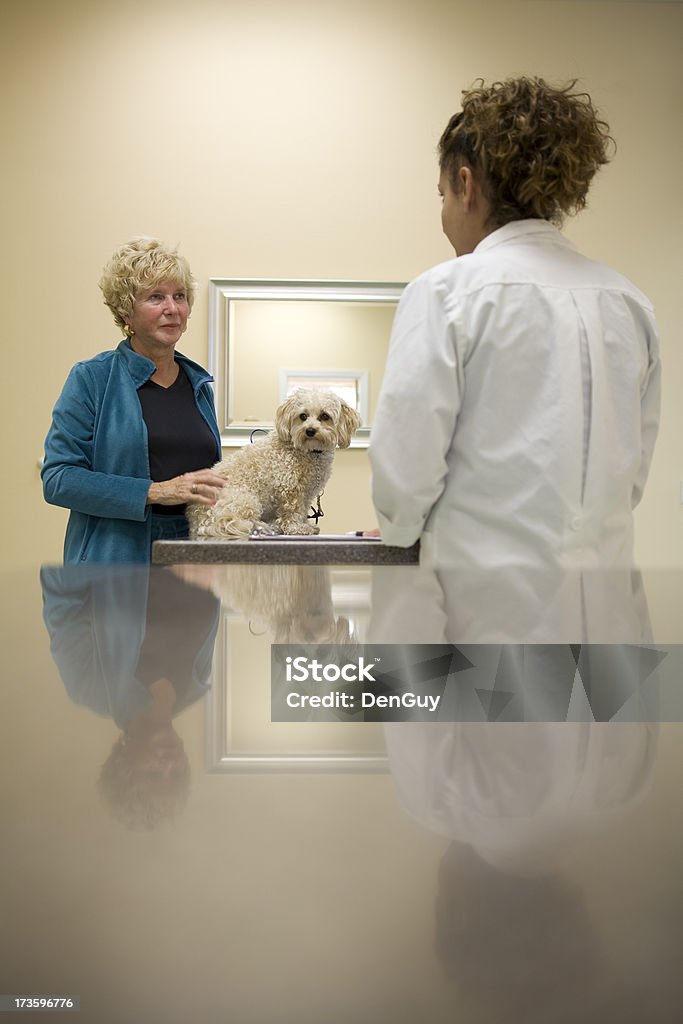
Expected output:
{"points": [[292, 603]]}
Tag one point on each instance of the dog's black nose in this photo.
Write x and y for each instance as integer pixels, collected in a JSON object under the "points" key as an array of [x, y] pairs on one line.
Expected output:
{"points": [[310, 432]]}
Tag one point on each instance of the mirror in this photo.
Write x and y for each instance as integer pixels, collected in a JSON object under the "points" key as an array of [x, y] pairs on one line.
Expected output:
{"points": [[269, 337]]}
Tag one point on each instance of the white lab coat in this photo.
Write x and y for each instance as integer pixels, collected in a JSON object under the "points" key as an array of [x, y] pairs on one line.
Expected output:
{"points": [[519, 408], [519, 793]]}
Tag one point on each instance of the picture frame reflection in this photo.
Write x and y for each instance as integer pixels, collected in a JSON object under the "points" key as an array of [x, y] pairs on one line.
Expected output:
{"points": [[256, 612]]}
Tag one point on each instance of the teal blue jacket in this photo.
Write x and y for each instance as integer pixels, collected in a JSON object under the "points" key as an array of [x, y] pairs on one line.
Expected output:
{"points": [[96, 455], [97, 617]]}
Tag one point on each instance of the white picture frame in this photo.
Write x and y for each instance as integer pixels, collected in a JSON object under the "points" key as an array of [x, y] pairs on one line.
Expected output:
{"points": [[349, 385]]}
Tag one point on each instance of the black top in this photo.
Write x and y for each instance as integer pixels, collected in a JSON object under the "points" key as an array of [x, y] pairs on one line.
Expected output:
{"points": [[180, 618], [179, 438]]}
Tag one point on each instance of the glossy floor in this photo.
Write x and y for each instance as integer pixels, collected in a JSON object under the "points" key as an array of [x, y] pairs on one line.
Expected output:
{"points": [[170, 854]]}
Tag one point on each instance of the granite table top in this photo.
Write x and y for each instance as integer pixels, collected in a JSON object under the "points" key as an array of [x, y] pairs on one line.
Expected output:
{"points": [[303, 551]]}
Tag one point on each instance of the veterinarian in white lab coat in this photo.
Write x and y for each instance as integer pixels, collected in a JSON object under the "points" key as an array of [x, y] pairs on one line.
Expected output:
{"points": [[520, 402]]}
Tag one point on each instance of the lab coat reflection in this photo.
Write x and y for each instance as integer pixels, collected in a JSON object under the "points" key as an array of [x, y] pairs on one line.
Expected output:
{"points": [[474, 781], [512, 800]]}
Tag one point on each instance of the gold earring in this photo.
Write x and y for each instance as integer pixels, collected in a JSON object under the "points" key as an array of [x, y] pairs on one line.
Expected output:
{"points": [[128, 330]]}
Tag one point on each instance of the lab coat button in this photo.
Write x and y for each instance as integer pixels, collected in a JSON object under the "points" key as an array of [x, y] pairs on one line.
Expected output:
{"points": [[576, 523]]}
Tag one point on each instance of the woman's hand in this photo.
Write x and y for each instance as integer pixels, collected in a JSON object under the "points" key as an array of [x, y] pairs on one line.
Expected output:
{"points": [[202, 487]]}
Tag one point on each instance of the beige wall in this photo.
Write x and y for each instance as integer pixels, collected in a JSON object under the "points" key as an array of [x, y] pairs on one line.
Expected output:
{"points": [[296, 140]]}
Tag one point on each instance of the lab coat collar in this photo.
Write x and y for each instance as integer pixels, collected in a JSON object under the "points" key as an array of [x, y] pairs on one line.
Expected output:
{"points": [[515, 230]]}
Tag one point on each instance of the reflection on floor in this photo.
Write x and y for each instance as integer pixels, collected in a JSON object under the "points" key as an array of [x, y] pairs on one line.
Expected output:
{"points": [[334, 871]]}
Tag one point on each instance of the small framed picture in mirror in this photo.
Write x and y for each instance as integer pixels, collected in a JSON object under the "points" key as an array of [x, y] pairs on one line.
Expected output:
{"points": [[350, 385]]}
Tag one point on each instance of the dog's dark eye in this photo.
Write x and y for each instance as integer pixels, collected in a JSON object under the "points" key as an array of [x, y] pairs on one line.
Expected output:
{"points": [[324, 416], [303, 417]]}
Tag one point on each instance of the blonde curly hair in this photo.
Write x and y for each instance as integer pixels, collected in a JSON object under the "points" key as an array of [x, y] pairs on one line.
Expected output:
{"points": [[142, 263], [138, 799], [535, 149]]}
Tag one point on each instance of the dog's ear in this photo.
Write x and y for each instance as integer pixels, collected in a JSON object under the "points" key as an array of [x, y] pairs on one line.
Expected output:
{"points": [[349, 422], [283, 419]]}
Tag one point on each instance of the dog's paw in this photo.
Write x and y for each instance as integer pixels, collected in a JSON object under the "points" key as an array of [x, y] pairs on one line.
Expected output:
{"points": [[265, 530], [299, 529]]}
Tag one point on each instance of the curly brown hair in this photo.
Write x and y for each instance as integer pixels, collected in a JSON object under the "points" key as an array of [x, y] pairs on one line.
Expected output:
{"points": [[534, 148]]}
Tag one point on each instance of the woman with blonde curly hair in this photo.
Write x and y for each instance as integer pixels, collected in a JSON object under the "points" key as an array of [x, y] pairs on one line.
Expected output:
{"points": [[520, 402], [135, 427]]}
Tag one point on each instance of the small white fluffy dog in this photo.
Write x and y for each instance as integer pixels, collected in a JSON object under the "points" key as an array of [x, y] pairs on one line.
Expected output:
{"points": [[272, 483], [292, 602]]}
